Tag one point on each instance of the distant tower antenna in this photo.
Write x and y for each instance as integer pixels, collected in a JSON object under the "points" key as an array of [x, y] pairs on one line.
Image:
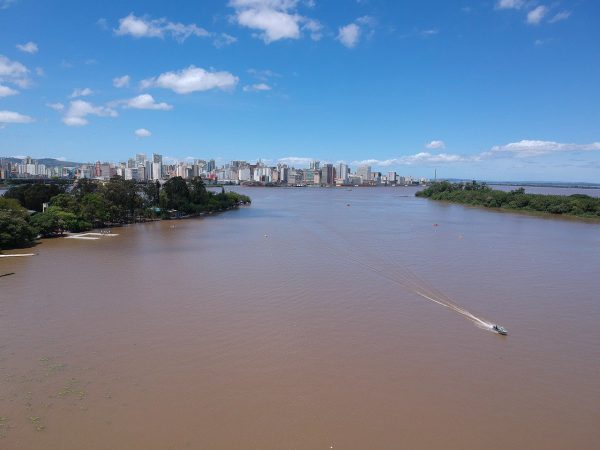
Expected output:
{"points": [[435, 175]]}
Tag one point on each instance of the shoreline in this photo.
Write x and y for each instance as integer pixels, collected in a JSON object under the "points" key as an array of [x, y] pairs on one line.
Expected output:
{"points": [[93, 234]]}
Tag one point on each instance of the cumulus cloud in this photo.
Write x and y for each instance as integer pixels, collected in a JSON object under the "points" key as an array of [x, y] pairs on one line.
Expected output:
{"points": [[5, 91], [78, 110], [140, 27], [257, 87], [13, 72], [537, 14], [274, 19], [29, 47], [349, 35], [531, 148], [192, 79], [121, 82], [434, 145], [14, 117], [146, 101], [142, 133], [81, 92], [562, 15]]}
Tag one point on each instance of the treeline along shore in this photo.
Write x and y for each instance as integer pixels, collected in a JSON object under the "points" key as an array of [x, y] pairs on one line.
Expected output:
{"points": [[476, 194], [32, 211]]}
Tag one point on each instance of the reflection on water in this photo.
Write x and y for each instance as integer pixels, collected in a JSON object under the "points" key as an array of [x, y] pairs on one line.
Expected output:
{"points": [[293, 324]]}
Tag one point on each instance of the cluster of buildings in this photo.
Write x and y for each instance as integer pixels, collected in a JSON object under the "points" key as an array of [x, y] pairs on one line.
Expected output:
{"points": [[31, 168], [142, 168]]}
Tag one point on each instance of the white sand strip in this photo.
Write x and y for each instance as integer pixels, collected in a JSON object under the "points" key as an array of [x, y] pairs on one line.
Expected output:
{"points": [[82, 237], [16, 255]]}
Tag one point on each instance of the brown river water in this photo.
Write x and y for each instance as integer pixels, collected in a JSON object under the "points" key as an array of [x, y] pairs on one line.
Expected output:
{"points": [[297, 323]]}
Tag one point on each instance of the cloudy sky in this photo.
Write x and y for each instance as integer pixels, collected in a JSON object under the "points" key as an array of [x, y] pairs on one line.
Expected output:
{"points": [[497, 89]]}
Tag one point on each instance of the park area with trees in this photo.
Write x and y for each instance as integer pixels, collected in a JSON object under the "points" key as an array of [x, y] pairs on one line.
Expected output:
{"points": [[94, 204]]}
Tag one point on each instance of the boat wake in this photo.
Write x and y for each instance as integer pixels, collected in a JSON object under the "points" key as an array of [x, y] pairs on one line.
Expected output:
{"points": [[410, 281]]}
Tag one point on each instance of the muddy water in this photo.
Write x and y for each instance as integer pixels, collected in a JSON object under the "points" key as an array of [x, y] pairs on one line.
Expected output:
{"points": [[293, 324]]}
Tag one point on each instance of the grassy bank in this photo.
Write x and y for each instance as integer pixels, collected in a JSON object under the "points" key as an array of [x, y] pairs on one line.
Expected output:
{"points": [[576, 205]]}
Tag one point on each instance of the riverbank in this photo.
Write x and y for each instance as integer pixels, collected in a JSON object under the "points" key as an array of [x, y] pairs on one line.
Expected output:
{"points": [[576, 206], [31, 212]]}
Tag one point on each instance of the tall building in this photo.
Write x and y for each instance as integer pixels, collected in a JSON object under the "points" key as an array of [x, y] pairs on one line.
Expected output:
{"points": [[327, 174], [140, 159], [364, 172], [211, 165], [157, 169], [342, 173]]}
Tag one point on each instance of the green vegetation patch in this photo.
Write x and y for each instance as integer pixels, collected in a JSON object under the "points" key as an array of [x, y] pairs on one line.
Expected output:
{"points": [[477, 194], [95, 204]]}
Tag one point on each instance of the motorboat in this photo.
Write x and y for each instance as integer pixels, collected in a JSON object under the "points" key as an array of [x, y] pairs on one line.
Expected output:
{"points": [[500, 330]]}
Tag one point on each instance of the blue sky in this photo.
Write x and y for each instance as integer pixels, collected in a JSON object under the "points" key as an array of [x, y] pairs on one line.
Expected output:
{"points": [[498, 89]]}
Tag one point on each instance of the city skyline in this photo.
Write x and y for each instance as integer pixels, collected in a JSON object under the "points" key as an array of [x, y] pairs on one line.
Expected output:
{"points": [[143, 168], [499, 90]]}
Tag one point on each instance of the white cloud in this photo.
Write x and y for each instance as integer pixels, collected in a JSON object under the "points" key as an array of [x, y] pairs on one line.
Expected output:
{"points": [[257, 87], [121, 82], [296, 161], [349, 35], [563, 15], [510, 4], [418, 158], [13, 72], [56, 106], [192, 79], [314, 28], [14, 117], [81, 92], [79, 110], [142, 133], [39, 71], [146, 101], [223, 40], [5, 91], [30, 47], [435, 145], [139, 27], [536, 15], [274, 19], [531, 148], [429, 32], [263, 75]]}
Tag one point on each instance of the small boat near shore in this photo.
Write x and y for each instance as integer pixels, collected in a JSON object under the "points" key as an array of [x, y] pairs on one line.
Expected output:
{"points": [[500, 330]]}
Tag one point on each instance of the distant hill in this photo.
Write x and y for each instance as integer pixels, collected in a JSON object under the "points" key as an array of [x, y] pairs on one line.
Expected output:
{"points": [[48, 162]]}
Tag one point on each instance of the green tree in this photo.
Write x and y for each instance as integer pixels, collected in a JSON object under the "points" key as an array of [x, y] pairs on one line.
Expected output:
{"points": [[123, 194], [84, 186], [66, 202], [198, 193], [15, 230], [33, 196], [56, 221], [95, 209], [177, 194]]}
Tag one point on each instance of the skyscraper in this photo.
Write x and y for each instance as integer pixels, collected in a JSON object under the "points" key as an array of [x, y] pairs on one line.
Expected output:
{"points": [[364, 172]]}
